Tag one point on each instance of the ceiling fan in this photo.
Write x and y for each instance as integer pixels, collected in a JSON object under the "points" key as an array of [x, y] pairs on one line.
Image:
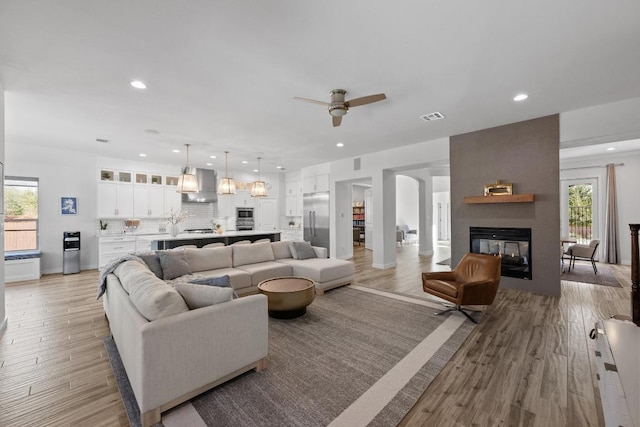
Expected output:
{"points": [[338, 107]]}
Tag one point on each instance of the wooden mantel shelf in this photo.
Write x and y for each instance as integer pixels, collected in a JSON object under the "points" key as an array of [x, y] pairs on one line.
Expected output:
{"points": [[502, 198]]}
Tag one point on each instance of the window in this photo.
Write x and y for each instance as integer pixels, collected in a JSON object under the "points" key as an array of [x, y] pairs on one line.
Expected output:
{"points": [[21, 214], [578, 209]]}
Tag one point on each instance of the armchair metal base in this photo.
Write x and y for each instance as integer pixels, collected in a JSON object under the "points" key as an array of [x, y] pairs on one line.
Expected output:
{"points": [[459, 308]]}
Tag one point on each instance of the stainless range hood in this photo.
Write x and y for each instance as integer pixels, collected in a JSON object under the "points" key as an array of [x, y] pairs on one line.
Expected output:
{"points": [[207, 186]]}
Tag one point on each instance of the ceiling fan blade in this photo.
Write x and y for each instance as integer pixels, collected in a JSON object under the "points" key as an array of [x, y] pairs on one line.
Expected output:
{"points": [[313, 101], [336, 121], [366, 100]]}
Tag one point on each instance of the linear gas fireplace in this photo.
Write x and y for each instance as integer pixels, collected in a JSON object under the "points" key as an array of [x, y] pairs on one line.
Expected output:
{"points": [[513, 244]]}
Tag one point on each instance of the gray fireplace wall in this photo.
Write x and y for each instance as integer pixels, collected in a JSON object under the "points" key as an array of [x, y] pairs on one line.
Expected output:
{"points": [[525, 154]]}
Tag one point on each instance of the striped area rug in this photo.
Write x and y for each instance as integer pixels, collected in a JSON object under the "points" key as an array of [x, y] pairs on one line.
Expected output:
{"points": [[358, 357]]}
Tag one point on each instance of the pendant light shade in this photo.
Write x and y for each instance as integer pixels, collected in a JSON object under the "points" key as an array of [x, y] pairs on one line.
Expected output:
{"points": [[259, 187], [187, 182], [226, 185]]}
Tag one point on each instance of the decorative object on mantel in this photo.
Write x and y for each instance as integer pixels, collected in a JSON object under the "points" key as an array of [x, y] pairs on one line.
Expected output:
{"points": [[103, 225], [187, 181], [498, 188], [259, 188], [227, 185], [173, 218], [500, 192]]}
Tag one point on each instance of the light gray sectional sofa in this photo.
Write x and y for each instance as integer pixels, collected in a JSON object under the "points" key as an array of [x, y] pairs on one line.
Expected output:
{"points": [[172, 353]]}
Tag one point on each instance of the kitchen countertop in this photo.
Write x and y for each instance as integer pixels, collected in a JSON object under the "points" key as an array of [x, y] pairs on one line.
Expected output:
{"points": [[202, 239], [183, 236]]}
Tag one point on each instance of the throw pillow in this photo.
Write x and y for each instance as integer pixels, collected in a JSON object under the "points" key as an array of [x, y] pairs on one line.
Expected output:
{"points": [[153, 262], [198, 296], [174, 264], [302, 250], [221, 282]]}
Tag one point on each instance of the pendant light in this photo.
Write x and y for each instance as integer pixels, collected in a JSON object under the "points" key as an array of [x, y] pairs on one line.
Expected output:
{"points": [[187, 182], [227, 185], [259, 188]]}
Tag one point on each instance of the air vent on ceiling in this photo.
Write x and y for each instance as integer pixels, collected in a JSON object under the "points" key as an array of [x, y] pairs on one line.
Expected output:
{"points": [[102, 140], [432, 116]]}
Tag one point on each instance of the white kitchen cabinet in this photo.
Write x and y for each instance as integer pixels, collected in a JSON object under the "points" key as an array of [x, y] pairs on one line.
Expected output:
{"points": [[293, 206], [143, 243], [267, 219], [293, 188], [172, 200], [291, 235], [110, 248], [243, 198], [315, 183], [226, 206], [148, 201], [115, 200]]}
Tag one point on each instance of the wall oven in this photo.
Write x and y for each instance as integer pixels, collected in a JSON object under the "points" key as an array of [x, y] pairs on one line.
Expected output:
{"points": [[244, 219]]}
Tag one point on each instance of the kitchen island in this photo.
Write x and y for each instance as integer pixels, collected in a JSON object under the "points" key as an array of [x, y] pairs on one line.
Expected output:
{"points": [[201, 239]]}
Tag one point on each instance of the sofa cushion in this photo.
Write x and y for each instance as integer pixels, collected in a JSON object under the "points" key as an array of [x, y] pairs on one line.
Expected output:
{"points": [[239, 278], [221, 282], [153, 262], [321, 269], [281, 250], [266, 270], [302, 250], [252, 254], [198, 296], [153, 298], [209, 258], [174, 264]]}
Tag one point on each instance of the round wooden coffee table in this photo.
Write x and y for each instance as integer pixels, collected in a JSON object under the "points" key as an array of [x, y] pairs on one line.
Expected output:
{"points": [[288, 297]]}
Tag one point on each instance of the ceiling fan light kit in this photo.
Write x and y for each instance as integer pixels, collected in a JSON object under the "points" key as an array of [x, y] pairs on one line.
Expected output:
{"points": [[187, 182], [226, 185], [338, 107]]}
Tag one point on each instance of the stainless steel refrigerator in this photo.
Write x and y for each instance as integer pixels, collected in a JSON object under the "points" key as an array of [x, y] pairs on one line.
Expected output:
{"points": [[316, 219]]}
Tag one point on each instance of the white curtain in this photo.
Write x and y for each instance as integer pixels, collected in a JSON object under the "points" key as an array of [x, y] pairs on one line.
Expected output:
{"points": [[611, 243]]}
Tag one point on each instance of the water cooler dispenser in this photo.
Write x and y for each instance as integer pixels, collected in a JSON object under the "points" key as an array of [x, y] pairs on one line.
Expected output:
{"points": [[71, 252]]}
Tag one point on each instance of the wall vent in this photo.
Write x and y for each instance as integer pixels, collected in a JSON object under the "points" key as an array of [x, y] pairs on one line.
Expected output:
{"points": [[102, 140], [356, 164], [432, 116]]}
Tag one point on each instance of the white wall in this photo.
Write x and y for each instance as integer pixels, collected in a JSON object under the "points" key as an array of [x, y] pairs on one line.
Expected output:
{"points": [[407, 206], [627, 179], [3, 315]]}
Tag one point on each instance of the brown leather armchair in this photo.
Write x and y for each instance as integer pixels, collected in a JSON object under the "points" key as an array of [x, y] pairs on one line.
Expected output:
{"points": [[474, 281]]}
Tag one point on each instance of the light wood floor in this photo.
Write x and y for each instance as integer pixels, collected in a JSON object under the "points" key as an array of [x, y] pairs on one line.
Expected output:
{"points": [[529, 362]]}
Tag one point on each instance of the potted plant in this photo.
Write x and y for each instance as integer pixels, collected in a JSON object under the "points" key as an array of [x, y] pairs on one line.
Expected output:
{"points": [[292, 224], [174, 218], [103, 226]]}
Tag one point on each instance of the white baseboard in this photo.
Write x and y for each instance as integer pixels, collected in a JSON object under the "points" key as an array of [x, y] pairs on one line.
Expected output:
{"points": [[384, 266]]}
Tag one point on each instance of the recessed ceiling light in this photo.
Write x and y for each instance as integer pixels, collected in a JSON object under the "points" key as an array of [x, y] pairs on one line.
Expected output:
{"points": [[142, 155], [213, 157], [138, 84], [244, 162], [611, 148], [175, 150], [255, 170], [339, 144], [209, 164], [520, 97], [279, 167]]}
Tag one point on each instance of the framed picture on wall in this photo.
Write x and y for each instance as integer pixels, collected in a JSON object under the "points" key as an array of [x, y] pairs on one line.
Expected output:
{"points": [[69, 205]]}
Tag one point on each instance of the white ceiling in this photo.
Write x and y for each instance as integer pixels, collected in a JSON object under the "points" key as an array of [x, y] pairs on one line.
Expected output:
{"points": [[221, 75]]}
